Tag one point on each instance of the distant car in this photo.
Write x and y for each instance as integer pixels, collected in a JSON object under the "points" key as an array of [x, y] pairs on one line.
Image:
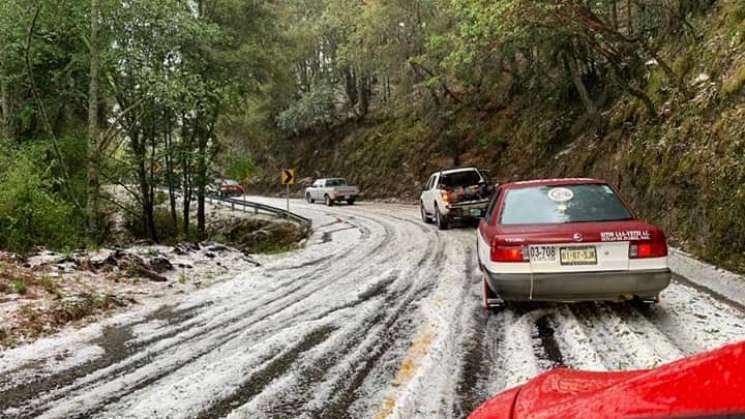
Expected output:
{"points": [[331, 191], [568, 240], [708, 385], [455, 194], [228, 187]]}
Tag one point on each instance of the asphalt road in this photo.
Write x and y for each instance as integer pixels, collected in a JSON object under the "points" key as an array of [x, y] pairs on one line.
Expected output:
{"points": [[378, 316]]}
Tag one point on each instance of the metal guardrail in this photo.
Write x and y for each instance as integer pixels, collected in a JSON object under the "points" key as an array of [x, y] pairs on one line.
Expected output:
{"points": [[259, 208]]}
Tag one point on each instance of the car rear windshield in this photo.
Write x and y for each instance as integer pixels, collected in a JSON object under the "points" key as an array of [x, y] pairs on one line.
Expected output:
{"points": [[457, 179], [563, 204], [336, 182]]}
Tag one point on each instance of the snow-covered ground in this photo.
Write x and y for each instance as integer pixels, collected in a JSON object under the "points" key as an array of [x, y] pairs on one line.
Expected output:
{"points": [[378, 316]]}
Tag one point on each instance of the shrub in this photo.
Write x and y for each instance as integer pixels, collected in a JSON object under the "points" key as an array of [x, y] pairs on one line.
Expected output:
{"points": [[49, 285], [315, 109], [31, 212], [19, 286], [167, 231]]}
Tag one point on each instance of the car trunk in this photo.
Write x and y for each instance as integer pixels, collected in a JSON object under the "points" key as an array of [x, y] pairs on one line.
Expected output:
{"points": [[579, 247]]}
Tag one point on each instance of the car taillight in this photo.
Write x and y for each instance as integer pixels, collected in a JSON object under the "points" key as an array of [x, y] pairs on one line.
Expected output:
{"points": [[508, 254], [648, 249]]}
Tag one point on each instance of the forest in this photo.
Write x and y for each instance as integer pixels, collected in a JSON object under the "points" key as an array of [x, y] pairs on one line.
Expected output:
{"points": [[116, 106]]}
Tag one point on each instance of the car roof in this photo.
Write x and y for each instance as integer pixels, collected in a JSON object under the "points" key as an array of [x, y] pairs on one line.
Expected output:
{"points": [[455, 170], [331, 178], [552, 182]]}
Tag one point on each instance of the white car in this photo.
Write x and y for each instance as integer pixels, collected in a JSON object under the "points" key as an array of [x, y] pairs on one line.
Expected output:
{"points": [[331, 191], [454, 194]]}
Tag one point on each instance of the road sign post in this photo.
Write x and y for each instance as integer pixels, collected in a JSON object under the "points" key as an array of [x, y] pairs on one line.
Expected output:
{"points": [[287, 177]]}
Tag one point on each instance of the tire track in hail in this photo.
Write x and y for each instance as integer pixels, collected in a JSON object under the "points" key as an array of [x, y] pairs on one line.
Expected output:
{"points": [[285, 307], [395, 327], [321, 366], [260, 379], [122, 370]]}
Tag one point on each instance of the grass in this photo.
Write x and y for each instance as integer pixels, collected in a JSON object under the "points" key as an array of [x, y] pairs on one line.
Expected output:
{"points": [[19, 286], [49, 285], [735, 83]]}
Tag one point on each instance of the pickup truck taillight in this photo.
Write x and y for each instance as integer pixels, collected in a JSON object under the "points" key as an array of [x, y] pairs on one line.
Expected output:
{"points": [[501, 253], [446, 197], [648, 248]]}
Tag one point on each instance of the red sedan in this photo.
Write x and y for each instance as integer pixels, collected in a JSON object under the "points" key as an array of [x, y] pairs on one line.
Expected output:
{"points": [[230, 187], [568, 240], [710, 385]]}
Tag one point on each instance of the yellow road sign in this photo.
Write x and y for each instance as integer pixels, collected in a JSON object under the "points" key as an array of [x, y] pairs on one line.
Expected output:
{"points": [[287, 176]]}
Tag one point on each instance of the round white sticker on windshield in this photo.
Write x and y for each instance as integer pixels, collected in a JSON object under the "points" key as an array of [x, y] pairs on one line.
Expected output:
{"points": [[560, 194]]}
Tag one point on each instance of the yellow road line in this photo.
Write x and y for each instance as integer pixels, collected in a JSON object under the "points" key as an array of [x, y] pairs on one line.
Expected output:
{"points": [[419, 348]]}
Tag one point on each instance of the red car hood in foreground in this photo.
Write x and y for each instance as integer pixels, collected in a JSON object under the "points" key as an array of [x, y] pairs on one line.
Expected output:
{"points": [[706, 385]]}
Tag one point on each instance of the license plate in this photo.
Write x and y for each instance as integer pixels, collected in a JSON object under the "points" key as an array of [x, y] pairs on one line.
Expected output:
{"points": [[579, 255], [346, 196], [475, 213], [542, 253]]}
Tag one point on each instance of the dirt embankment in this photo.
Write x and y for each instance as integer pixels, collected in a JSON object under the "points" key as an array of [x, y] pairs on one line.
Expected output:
{"points": [[684, 170]]}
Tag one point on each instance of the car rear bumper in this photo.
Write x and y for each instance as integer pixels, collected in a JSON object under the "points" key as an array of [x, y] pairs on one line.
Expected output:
{"points": [[580, 286]]}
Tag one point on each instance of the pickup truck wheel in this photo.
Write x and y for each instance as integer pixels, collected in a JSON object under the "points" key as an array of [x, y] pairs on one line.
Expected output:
{"points": [[442, 220], [329, 201], [309, 199], [423, 212]]}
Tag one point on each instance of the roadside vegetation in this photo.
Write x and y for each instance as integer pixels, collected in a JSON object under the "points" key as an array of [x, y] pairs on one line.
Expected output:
{"points": [[115, 117]]}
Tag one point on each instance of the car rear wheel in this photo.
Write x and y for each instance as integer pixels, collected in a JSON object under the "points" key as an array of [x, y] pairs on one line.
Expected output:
{"points": [[648, 301], [350, 201], [423, 212], [309, 199], [490, 300], [329, 201], [442, 220]]}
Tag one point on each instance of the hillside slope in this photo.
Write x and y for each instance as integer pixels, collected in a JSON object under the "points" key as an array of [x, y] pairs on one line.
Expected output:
{"points": [[684, 169]]}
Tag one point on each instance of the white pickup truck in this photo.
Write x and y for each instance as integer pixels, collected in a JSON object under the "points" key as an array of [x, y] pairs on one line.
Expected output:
{"points": [[331, 191], [454, 194]]}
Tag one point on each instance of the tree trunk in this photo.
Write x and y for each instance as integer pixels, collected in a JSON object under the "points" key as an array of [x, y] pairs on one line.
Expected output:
{"points": [[139, 148], [363, 94], [187, 141], [350, 86], [201, 182], [93, 140], [5, 133], [580, 85], [170, 175]]}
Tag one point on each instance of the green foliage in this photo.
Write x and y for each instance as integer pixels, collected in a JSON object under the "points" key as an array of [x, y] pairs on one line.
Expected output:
{"points": [[49, 285], [735, 83], [239, 166], [19, 286], [32, 213], [315, 109], [168, 232]]}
